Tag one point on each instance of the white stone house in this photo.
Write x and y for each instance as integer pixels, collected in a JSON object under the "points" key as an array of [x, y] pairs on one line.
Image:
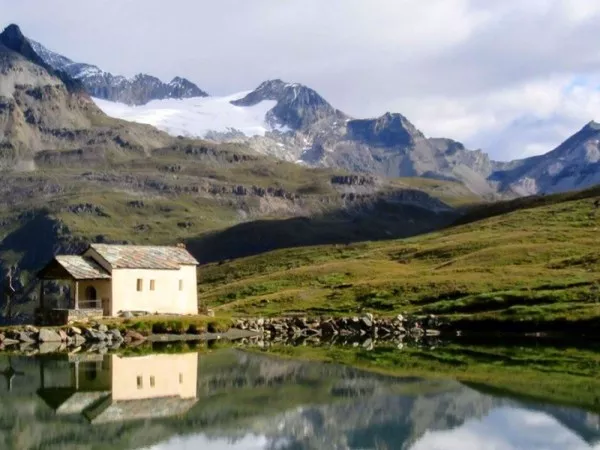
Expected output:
{"points": [[114, 279]]}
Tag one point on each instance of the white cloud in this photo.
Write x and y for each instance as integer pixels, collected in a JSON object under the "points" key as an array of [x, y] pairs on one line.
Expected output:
{"points": [[505, 429], [520, 121], [494, 74], [200, 441]]}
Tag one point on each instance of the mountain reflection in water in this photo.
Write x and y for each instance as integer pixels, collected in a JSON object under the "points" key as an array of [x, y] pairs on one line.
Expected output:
{"points": [[230, 399]]}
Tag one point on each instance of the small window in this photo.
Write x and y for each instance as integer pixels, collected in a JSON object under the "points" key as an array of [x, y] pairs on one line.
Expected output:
{"points": [[140, 284], [181, 285], [152, 284], [152, 381], [140, 382], [180, 378]]}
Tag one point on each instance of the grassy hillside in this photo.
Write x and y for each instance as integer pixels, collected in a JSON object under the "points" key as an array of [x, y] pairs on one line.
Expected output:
{"points": [[564, 374], [538, 263]]}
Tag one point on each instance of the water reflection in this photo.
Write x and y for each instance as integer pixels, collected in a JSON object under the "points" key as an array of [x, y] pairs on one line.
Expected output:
{"points": [[114, 388], [230, 399]]}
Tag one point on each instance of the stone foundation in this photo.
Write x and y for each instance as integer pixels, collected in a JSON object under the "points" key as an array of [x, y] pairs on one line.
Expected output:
{"points": [[57, 317]]}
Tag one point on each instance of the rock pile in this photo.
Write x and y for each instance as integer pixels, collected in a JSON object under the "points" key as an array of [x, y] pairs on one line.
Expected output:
{"points": [[366, 325], [98, 336]]}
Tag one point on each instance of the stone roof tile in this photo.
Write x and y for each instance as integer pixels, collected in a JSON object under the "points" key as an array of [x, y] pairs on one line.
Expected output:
{"points": [[144, 257], [82, 267]]}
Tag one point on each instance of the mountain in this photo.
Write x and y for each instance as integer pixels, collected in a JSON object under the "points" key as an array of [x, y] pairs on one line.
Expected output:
{"points": [[138, 90], [575, 164], [42, 110], [293, 122], [297, 107]]}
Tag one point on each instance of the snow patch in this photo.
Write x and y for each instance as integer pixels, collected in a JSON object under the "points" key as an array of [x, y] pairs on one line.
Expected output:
{"points": [[89, 71], [196, 116]]}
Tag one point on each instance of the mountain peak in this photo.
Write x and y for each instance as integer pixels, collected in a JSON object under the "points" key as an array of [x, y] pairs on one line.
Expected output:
{"points": [[388, 130], [593, 125], [298, 106], [138, 90], [13, 30], [13, 39]]}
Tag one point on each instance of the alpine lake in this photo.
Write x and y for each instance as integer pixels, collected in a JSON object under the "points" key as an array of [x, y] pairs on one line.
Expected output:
{"points": [[429, 394]]}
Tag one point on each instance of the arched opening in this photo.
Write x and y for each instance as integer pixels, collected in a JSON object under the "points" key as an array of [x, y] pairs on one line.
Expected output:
{"points": [[90, 293]]}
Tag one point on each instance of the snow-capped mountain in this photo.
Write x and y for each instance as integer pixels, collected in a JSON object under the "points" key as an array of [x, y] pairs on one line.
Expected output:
{"points": [[297, 107], [293, 122], [138, 90]]}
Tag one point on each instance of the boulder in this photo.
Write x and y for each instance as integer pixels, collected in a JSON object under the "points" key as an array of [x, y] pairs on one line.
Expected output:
{"points": [[63, 335], [74, 330], [116, 336], [366, 322], [127, 314], [31, 329], [48, 335], [102, 328], [311, 332], [133, 336], [8, 341], [25, 337], [92, 335]]}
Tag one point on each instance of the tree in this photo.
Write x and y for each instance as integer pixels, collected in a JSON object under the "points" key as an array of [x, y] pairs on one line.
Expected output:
{"points": [[9, 292]]}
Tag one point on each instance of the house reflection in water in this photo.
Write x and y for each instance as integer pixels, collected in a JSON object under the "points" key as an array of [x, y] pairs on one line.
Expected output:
{"points": [[114, 388]]}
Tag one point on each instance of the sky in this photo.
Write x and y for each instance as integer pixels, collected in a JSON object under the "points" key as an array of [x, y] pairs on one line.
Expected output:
{"points": [[512, 77]]}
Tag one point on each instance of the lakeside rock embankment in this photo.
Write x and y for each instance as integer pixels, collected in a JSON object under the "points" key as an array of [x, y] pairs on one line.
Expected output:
{"points": [[100, 337], [367, 325], [50, 340]]}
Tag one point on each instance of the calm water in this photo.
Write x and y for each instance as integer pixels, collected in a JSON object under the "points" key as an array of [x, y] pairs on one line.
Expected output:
{"points": [[231, 399]]}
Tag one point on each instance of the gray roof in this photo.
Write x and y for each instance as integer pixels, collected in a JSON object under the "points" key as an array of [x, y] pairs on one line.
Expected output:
{"points": [[144, 257], [82, 267]]}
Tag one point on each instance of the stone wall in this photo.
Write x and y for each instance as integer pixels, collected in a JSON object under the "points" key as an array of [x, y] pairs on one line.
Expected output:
{"points": [[57, 317]]}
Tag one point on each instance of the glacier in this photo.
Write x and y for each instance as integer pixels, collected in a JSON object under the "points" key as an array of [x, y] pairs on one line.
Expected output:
{"points": [[196, 116]]}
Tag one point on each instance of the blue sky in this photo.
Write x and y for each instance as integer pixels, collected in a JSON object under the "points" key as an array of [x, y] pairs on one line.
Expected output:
{"points": [[514, 78]]}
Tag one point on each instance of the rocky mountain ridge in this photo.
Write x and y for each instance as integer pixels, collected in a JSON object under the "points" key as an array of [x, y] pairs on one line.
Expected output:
{"points": [[390, 145], [138, 90], [303, 127]]}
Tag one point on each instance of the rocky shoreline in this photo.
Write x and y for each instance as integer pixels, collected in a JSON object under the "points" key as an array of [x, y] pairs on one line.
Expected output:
{"points": [[367, 325], [50, 340], [102, 338]]}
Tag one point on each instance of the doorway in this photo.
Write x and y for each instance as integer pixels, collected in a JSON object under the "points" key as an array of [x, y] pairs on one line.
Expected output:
{"points": [[91, 295]]}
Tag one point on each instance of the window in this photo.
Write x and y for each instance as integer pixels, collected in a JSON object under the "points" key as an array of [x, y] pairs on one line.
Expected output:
{"points": [[152, 284], [140, 284], [152, 381], [181, 285], [140, 382], [180, 378]]}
